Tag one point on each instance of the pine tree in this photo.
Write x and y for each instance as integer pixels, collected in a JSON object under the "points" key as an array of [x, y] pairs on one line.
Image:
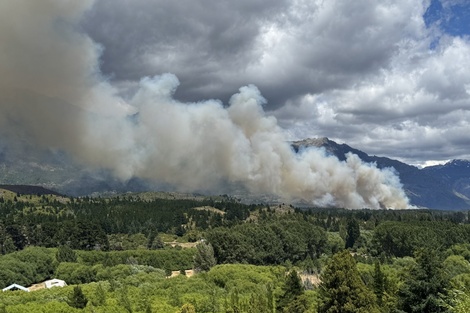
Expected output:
{"points": [[293, 288], [77, 299], [353, 232], [8, 245], [204, 258], [425, 290], [342, 289], [65, 254], [379, 282]]}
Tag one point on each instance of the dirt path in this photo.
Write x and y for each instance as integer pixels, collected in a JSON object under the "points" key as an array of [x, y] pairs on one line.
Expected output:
{"points": [[189, 273], [314, 279], [182, 244]]}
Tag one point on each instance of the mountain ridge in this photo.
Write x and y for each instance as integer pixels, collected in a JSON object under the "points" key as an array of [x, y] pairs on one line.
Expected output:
{"points": [[443, 187], [431, 187]]}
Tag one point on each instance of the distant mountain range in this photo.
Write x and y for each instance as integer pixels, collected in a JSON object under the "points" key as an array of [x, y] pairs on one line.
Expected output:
{"points": [[57, 172], [29, 190], [443, 187]]}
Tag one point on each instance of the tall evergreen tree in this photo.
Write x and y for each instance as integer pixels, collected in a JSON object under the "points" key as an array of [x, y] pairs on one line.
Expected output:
{"points": [[204, 258], [77, 299], [65, 254], [352, 232], [425, 290], [379, 282], [342, 289], [8, 245], [293, 288]]}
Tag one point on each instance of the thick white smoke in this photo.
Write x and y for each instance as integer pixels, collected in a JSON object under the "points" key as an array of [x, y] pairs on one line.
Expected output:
{"points": [[57, 98]]}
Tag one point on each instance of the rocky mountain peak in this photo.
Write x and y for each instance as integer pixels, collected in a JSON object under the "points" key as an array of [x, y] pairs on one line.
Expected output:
{"points": [[308, 142], [458, 163]]}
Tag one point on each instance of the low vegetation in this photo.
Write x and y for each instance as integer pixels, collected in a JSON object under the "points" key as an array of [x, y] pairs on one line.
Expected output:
{"points": [[118, 254]]}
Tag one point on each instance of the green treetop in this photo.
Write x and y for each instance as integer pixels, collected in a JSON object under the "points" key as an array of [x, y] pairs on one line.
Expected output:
{"points": [[342, 289]]}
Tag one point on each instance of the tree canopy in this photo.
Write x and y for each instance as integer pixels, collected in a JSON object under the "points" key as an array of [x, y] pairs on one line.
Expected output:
{"points": [[342, 290]]}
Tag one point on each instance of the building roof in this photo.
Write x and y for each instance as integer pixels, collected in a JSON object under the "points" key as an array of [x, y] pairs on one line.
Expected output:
{"points": [[15, 287]]}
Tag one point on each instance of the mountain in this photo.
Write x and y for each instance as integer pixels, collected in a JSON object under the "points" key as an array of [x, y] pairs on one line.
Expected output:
{"points": [[455, 174], [445, 187], [57, 172], [29, 190]]}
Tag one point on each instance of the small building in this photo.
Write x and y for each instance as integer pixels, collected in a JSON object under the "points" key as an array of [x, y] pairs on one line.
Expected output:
{"points": [[15, 287], [55, 283]]}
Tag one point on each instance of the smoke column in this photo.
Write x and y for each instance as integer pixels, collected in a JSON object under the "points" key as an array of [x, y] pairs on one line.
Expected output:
{"points": [[53, 95]]}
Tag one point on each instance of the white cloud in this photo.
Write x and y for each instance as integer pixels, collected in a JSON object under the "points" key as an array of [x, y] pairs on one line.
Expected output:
{"points": [[56, 97], [368, 73], [423, 97]]}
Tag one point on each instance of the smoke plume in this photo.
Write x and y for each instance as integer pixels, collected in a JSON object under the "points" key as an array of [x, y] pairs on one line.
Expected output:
{"points": [[53, 95]]}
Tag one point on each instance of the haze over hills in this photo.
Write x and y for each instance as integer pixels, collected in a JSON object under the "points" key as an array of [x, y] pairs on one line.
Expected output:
{"points": [[57, 172], [444, 187]]}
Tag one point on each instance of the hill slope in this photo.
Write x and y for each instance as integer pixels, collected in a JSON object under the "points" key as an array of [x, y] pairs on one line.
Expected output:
{"points": [[29, 190]]}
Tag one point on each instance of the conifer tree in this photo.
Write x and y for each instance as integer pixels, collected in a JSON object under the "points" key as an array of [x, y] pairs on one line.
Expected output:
{"points": [[379, 282], [204, 258], [77, 299], [425, 290], [342, 289], [352, 232], [8, 245], [65, 254], [293, 288]]}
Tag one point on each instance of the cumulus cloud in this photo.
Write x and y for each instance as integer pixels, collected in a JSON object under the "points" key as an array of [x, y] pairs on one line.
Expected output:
{"points": [[416, 110], [351, 71], [286, 48], [182, 37], [366, 63], [55, 96]]}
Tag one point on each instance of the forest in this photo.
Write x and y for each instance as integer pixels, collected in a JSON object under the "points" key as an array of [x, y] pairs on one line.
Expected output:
{"points": [[135, 253]]}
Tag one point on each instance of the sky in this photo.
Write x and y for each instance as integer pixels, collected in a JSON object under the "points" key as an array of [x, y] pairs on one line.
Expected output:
{"points": [[203, 95], [389, 77]]}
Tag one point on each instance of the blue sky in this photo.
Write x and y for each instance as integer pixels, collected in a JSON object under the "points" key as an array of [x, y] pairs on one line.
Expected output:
{"points": [[452, 17]]}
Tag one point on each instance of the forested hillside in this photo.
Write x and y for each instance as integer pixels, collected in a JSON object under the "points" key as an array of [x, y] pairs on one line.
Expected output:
{"points": [[118, 254]]}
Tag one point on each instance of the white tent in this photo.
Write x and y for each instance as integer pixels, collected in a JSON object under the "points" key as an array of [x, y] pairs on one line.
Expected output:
{"points": [[15, 287], [55, 283]]}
